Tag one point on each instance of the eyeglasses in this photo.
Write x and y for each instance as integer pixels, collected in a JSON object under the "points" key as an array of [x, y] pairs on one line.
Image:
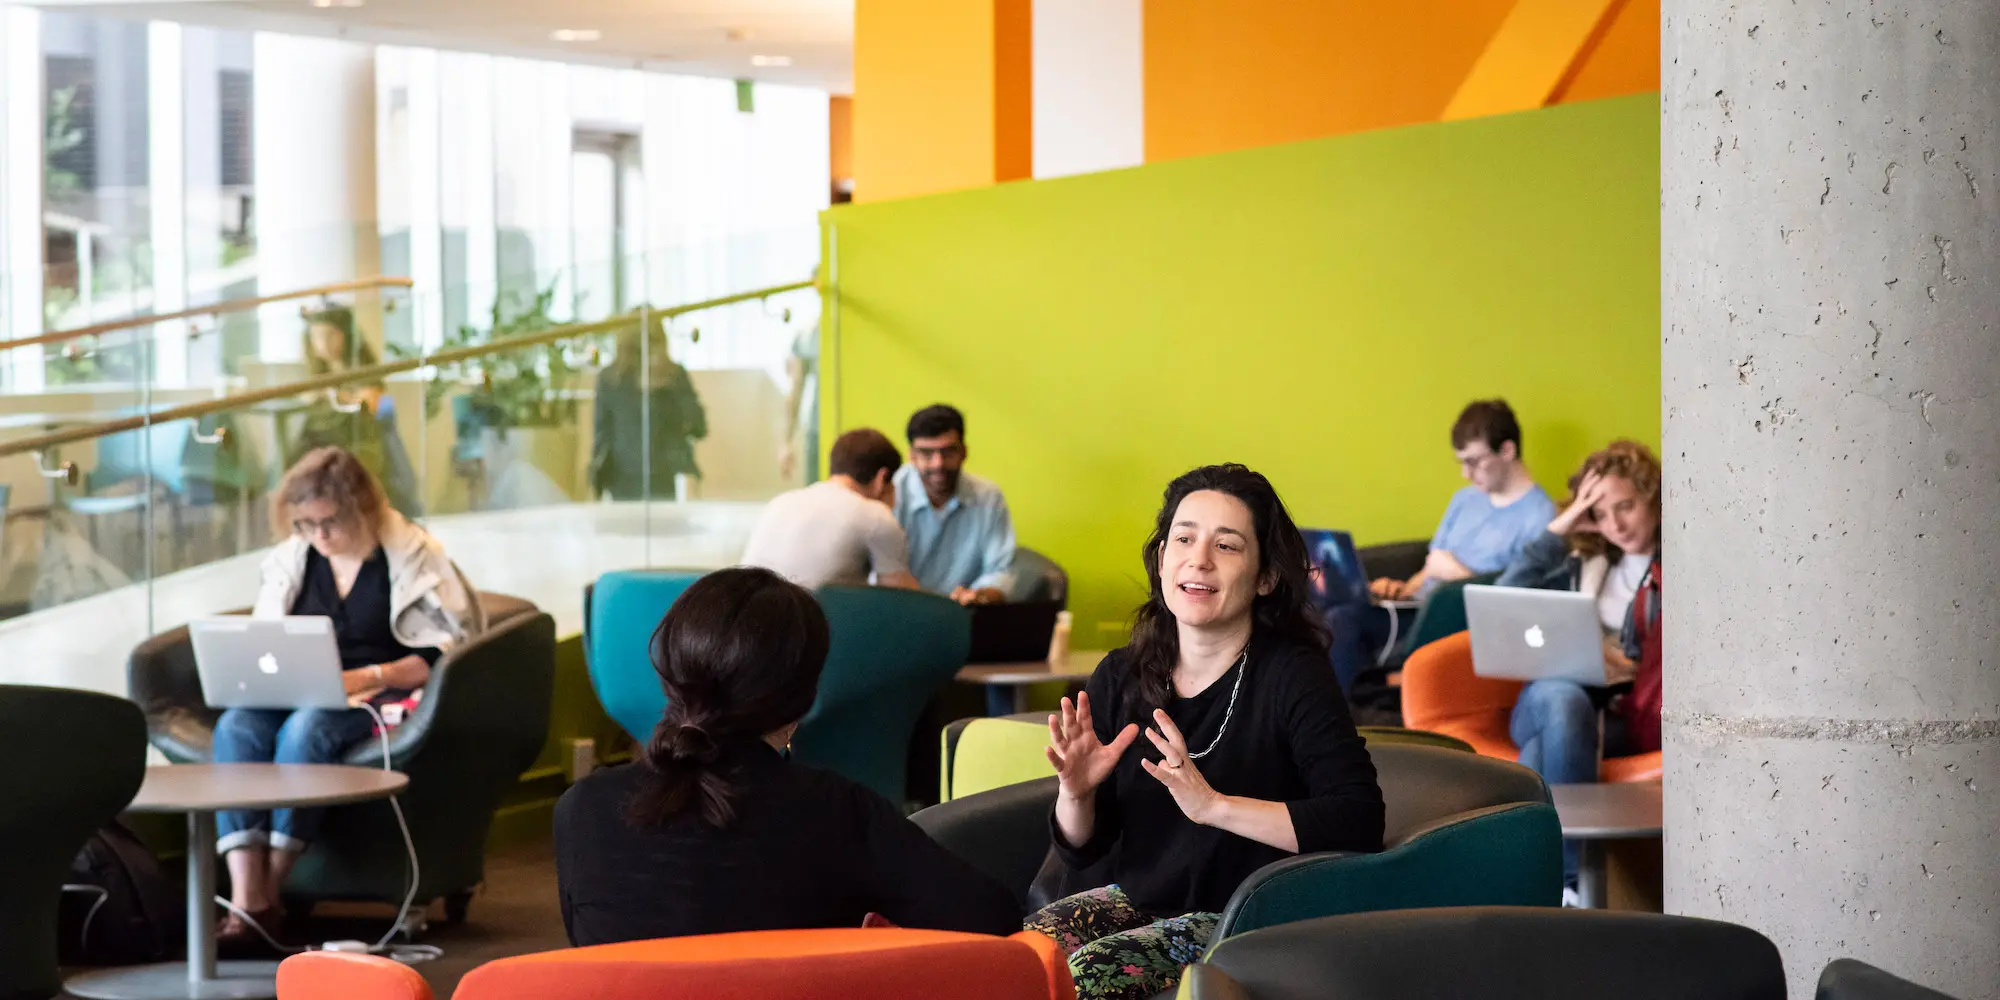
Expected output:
{"points": [[307, 527], [1475, 461]]}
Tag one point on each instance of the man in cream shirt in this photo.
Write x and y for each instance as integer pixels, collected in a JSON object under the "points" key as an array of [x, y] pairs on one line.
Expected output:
{"points": [[840, 531]]}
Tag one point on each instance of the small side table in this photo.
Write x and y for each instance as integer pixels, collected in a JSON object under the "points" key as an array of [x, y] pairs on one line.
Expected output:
{"points": [[200, 791], [1595, 813], [1019, 676]]}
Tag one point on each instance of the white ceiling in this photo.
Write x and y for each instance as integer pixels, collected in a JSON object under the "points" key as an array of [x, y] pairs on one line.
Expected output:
{"points": [[695, 37]]}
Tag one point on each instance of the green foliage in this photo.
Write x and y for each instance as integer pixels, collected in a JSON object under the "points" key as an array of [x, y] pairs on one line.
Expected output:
{"points": [[61, 134], [509, 388]]}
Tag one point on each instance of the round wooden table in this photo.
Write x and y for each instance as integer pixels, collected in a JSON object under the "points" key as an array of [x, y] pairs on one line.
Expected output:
{"points": [[1019, 676], [1594, 813], [200, 791]]}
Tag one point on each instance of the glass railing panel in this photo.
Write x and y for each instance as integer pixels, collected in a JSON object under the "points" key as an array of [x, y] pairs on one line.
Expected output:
{"points": [[76, 538]]}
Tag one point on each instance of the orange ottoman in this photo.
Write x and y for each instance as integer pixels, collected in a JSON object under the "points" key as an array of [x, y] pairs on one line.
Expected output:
{"points": [[879, 963]]}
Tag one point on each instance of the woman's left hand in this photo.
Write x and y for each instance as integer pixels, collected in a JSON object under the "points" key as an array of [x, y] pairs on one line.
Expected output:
{"points": [[1177, 771]]}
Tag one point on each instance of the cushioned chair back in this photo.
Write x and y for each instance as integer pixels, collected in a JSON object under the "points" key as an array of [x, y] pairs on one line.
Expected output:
{"points": [[1422, 784], [1003, 832], [620, 613], [1398, 560], [1505, 855], [878, 963], [88, 755], [483, 721], [336, 975], [892, 650], [1501, 953], [1443, 613], [991, 753], [1441, 694], [1037, 578], [1847, 979], [1377, 735], [160, 675]]}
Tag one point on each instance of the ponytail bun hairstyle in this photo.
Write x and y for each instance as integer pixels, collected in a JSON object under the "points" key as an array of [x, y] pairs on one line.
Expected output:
{"points": [[739, 655]]}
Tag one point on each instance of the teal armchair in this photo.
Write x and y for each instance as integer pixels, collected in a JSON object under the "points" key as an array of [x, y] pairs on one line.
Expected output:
{"points": [[1460, 830], [89, 756], [892, 651], [620, 612]]}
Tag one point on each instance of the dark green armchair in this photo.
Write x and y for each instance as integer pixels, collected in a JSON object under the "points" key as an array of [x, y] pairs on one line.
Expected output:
{"points": [[89, 759], [1459, 830], [483, 720]]}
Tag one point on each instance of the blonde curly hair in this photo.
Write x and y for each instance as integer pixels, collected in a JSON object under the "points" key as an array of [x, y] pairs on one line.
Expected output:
{"points": [[1628, 460]]}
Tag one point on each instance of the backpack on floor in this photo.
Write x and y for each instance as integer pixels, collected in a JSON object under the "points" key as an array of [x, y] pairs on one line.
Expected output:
{"points": [[119, 907]]}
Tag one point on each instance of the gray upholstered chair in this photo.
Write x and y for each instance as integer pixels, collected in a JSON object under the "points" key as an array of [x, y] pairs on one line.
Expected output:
{"points": [[89, 756], [1497, 952], [483, 720]]}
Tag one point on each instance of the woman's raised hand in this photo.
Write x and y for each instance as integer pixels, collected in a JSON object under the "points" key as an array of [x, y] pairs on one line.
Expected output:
{"points": [[1579, 516], [1082, 760]]}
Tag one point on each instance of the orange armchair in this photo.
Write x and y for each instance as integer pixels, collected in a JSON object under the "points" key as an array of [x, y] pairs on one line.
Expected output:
{"points": [[884, 963], [1443, 695]]}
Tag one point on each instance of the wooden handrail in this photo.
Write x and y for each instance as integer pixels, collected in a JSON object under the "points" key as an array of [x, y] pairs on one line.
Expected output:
{"points": [[373, 373], [217, 309]]}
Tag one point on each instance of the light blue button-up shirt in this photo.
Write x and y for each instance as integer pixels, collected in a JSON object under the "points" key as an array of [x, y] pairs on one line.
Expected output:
{"points": [[969, 542]]}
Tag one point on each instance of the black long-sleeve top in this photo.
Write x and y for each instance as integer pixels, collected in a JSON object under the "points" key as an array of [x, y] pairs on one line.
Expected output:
{"points": [[1290, 740], [808, 848]]}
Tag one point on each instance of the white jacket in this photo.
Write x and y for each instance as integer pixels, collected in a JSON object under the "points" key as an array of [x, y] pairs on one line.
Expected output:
{"points": [[430, 603]]}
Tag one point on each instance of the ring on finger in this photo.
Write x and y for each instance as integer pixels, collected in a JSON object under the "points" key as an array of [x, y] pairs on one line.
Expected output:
{"points": [[1175, 766]]}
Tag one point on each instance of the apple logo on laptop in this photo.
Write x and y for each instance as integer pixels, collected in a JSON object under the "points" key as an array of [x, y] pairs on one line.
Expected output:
{"points": [[1534, 637], [269, 664]]}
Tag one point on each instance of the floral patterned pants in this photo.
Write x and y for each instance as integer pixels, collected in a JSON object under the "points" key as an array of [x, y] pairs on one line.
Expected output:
{"points": [[1115, 951]]}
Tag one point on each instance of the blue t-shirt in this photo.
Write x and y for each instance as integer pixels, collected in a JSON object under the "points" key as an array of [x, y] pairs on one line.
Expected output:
{"points": [[1486, 538]]}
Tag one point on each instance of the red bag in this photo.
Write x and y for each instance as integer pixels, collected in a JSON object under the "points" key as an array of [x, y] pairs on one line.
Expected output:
{"points": [[1641, 706]]}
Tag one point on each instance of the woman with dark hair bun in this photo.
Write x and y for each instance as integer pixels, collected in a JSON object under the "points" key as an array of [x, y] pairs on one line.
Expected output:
{"points": [[715, 829], [1250, 754]]}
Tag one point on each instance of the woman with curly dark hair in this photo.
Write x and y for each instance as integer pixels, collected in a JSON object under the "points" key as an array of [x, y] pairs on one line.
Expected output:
{"points": [[1249, 752]]}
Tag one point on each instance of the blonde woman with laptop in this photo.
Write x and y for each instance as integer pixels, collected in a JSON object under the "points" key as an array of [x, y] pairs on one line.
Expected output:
{"points": [[397, 604]]}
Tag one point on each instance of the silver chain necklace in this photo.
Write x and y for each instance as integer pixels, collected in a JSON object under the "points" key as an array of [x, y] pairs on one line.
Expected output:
{"points": [[1241, 668]]}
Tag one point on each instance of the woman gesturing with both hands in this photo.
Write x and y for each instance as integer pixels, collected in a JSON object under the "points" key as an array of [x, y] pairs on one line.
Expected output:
{"points": [[1248, 751]]}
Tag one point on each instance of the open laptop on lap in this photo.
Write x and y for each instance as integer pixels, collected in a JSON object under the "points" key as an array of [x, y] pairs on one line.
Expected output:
{"points": [[1527, 635], [289, 662]]}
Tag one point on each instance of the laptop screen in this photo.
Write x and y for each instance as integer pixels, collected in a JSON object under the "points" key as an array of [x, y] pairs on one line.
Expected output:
{"points": [[1337, 577]]}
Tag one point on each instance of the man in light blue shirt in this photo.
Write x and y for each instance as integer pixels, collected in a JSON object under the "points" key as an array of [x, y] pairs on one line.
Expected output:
{"points": [[961, 533], [1484, 527], [1489, 520]]}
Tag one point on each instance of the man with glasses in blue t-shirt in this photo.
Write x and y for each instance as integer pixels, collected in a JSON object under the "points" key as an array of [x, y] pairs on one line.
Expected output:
{"points": [[1483, 529]]}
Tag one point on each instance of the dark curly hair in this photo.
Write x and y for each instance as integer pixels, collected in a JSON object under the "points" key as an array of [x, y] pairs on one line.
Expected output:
{"points": [[1285, 614]]}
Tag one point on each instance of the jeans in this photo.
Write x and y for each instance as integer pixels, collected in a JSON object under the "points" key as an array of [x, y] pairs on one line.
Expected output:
{"points": [[1555, 725], [275, 735]]}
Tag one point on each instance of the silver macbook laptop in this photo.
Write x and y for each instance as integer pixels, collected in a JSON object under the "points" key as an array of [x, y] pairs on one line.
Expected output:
{"points": [[1527, 635], [289, 662]]}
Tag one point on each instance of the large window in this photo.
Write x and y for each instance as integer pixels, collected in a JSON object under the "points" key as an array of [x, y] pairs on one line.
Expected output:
{"points": [[96, 219]]}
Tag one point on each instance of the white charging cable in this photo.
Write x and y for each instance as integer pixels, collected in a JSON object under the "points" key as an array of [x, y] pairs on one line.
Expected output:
{"points": [[408, 953]]}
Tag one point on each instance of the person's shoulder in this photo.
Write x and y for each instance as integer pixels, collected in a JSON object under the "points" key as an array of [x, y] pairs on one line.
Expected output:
{"points": [[286, 555], [597, 794], [1540, 499], [980, 490], [1290, 664]]}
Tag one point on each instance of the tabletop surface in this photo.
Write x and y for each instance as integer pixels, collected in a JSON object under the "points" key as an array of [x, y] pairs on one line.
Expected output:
{"points": [[1609, 810], [1078, 666], [206, 787]]}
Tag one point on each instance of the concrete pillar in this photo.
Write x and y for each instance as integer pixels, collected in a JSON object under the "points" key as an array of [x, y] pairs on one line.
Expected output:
{"points": [[1830, 231]]}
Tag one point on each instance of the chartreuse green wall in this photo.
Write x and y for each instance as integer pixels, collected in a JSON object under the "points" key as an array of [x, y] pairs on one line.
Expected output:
{"points": [[1319, 311]]}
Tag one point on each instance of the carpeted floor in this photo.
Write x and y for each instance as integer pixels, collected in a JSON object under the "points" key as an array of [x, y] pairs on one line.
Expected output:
{"points": [[515, 913]]}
